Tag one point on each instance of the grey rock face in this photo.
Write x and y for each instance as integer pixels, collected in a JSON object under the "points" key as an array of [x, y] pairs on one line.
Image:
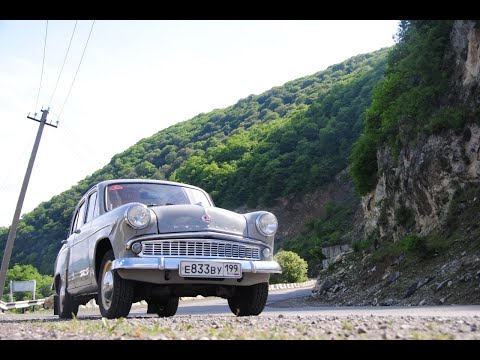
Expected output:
{"points": [[324, 286], [393, 277], [388, 302], [411, 289], [442, 284], [424, 178], [467, 277]]}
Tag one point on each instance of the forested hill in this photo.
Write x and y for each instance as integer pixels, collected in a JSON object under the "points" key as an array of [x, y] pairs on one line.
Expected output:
{"points": [[290, 139]]}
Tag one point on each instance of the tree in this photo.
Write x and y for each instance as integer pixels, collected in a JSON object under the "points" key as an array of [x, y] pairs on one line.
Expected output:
{"points": [[28, 272]]}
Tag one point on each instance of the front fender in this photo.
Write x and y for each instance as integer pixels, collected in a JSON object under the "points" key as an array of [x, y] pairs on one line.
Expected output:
{"points": [[61, 264]]}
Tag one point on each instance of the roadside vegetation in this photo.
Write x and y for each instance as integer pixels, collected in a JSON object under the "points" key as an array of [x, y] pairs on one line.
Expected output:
{"points": [[294, 268], [27, 272]]}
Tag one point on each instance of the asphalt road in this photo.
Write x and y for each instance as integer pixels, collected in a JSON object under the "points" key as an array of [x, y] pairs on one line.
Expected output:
{"points": [[280, 302], [218, 306]]}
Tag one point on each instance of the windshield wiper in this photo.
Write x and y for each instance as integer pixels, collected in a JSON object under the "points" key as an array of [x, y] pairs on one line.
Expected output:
{"points": [[150, 205]]}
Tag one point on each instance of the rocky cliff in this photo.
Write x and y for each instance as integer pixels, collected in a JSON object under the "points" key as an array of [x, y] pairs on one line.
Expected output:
{"points": [[415, 189], [420, 223]]}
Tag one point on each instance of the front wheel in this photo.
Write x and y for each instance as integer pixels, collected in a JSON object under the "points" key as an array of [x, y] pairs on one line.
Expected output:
{"points": [[115, 294], [249, 300]]}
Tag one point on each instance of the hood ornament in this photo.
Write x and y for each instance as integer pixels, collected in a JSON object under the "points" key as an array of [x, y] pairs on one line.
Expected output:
{"points": [[206, 218]]}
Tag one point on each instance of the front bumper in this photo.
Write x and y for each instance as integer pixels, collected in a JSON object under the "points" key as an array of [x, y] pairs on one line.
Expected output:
{"points": [[173, 263]]}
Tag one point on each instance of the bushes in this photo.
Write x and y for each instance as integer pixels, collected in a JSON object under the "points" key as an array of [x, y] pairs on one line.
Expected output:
{"points": [[293, 266], [363, 168], [410, 100], [410, 244], [359, 246], [28, 272]]}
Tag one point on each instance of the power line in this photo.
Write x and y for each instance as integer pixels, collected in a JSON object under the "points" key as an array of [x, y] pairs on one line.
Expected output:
{"points": [[64, 60], [76, 73], [43, 63]]}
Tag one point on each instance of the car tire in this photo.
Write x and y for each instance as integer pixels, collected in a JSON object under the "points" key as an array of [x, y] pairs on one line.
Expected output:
{"points": [[67, 307], [249, 300], [165, 308], [115, 294]]}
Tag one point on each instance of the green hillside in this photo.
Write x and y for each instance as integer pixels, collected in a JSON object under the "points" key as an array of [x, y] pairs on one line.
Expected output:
{"points": [[413, 100], [290, 139]]}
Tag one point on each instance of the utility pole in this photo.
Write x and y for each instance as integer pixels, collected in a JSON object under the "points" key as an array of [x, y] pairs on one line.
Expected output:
{"points": [[13, 229]]}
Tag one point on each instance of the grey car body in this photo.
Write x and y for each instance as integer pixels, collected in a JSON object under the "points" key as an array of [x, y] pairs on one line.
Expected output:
{"points": [[121, 251]]}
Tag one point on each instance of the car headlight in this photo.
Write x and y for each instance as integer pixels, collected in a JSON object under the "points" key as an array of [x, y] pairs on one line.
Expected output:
{"points": [[138, 216], [267, 224]]}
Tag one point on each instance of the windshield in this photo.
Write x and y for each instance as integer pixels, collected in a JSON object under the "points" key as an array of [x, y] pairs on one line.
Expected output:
{"points": [[152, 195]]}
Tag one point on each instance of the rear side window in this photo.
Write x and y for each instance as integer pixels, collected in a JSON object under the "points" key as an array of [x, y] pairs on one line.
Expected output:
{"points": [[80, 218], [92, 211]]}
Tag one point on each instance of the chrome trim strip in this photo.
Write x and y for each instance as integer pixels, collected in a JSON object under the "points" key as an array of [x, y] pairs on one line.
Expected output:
{"points": [[162, 263], [192, 235]]}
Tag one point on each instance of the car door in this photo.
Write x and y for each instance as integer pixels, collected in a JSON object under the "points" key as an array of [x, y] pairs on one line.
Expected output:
{"points": [[91, 233], [79, 265], [66, 272]]}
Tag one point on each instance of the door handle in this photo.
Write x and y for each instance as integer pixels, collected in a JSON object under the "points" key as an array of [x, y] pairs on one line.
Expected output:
{"points": [[78, 231]]}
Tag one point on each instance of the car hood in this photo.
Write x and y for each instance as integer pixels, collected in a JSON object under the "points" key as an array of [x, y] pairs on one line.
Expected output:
{"points": [[182, 218]]}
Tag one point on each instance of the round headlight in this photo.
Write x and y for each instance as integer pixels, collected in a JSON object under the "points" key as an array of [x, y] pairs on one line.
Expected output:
{"points": [[138, 216], [267, 224]]}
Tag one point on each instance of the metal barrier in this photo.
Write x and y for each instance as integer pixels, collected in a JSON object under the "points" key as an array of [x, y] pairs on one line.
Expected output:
{"points": [[20, 286], [20, 304]]}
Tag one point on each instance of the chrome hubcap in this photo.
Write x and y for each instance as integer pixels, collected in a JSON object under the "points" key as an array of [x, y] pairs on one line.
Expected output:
{"points": [[107, 285]]}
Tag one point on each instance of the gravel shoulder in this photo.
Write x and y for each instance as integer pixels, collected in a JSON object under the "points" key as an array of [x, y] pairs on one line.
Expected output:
{"points": [[267, 326]]}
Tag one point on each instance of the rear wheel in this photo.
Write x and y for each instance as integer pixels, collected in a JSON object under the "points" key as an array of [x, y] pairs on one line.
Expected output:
{"points": [[249, 300], [115, 294], [165, 308], [66, 305]]}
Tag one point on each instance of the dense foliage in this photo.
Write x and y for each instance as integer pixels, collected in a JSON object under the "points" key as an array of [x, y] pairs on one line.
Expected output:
{"points": [[294, 268], [289, 139], [410, 100], [292, 154], [326, 230], [27, 272]]}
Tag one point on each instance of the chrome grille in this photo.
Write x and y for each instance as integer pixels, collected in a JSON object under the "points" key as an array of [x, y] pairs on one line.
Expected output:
{"points": [[201, 248]]}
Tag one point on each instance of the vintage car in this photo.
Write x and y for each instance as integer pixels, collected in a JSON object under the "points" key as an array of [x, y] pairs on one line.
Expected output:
{"points": [[152, 240]]}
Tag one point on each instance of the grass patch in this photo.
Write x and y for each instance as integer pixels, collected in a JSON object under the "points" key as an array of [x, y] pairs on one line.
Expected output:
{"points": [[364, 244], [410, 244]]}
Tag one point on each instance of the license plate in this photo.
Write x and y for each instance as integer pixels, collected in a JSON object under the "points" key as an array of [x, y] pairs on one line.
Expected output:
{"points": [[210, 269]]}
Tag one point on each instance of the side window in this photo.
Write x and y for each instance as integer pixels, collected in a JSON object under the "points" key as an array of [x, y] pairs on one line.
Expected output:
{"points": [[80, 217], [74, 225], [92, 211]]}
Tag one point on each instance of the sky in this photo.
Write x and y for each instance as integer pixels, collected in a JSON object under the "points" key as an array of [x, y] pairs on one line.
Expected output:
{"points": [[139, 77]]}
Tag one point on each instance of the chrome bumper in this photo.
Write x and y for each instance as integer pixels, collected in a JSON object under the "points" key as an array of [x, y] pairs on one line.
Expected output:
{"points": [[172, 263]]}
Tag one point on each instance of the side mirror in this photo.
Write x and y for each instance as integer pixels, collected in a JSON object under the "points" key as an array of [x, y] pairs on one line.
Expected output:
{"points": [[64, 241]]}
